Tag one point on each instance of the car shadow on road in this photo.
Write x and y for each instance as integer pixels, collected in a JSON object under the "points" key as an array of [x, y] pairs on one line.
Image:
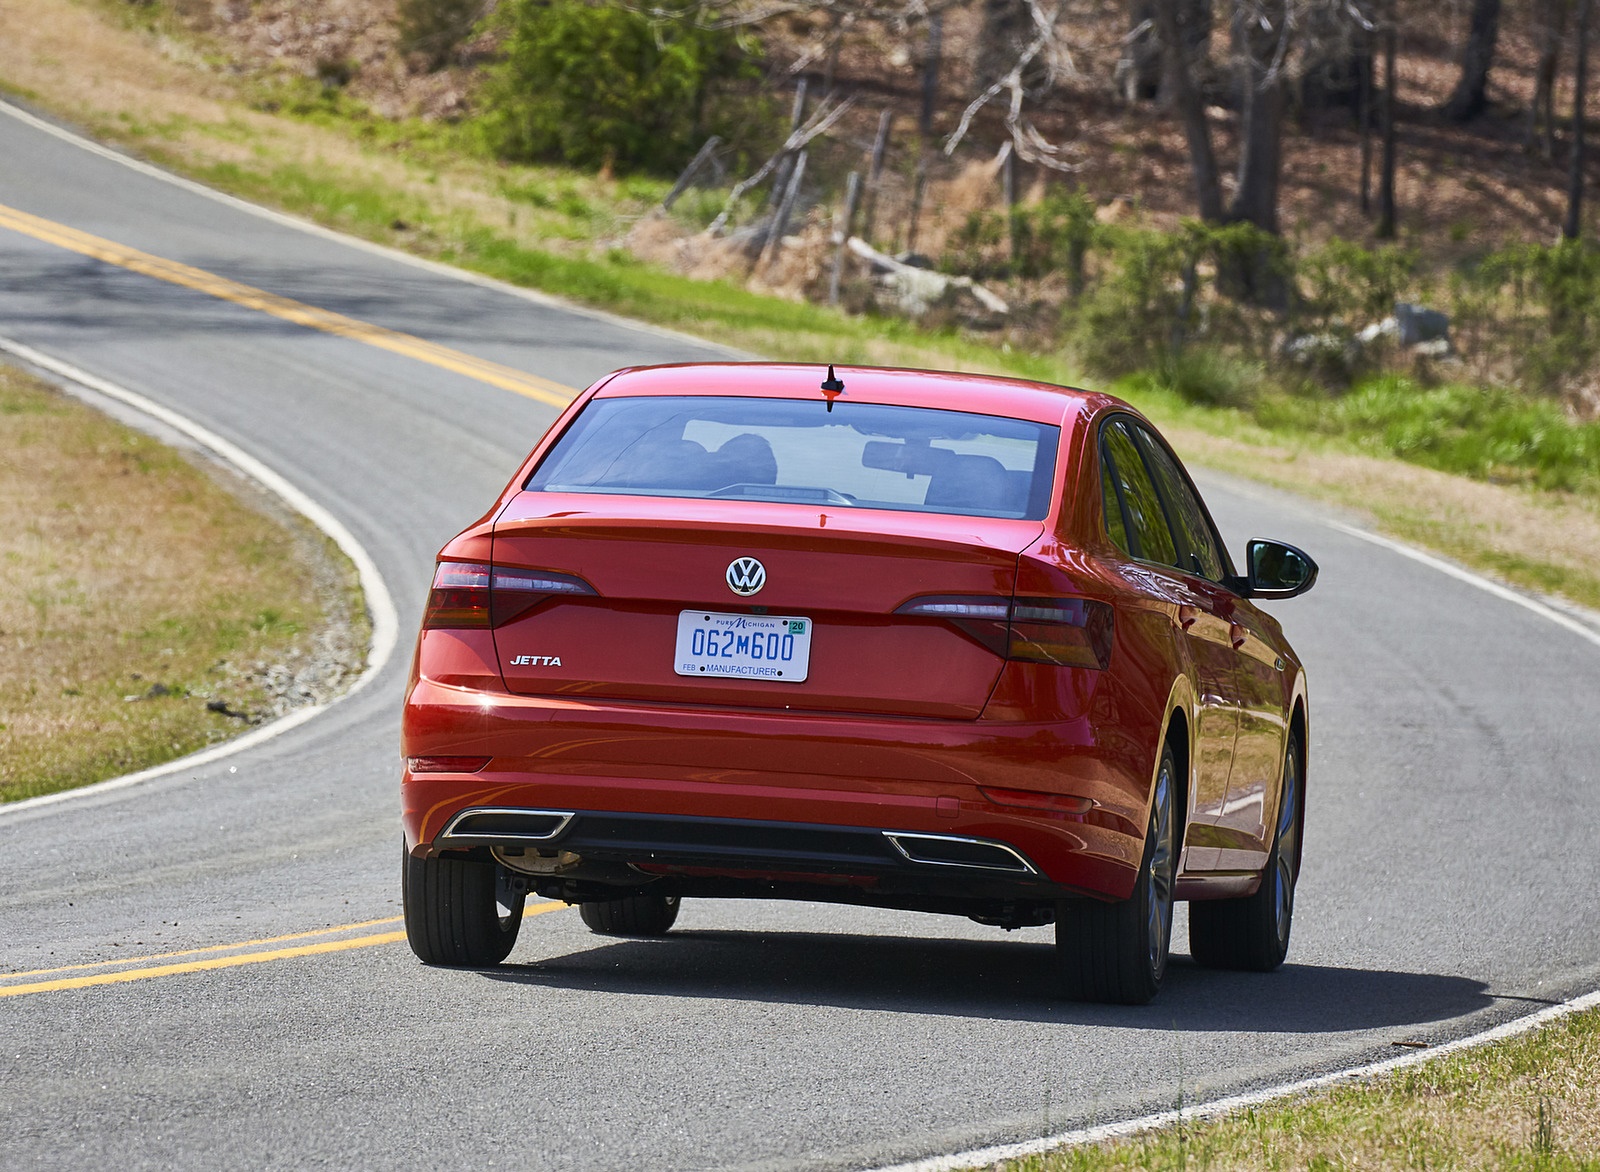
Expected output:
{"points": [[1005, 980]]}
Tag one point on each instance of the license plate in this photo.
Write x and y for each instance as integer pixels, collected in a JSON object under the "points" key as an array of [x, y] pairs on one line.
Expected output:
{"points": [[743, 646]]}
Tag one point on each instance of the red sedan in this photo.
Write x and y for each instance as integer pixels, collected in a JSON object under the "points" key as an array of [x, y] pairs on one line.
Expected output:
{"points": [[912, 640]]}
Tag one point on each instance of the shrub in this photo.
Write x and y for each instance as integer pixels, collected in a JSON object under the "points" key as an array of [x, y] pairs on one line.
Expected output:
{"points": [[597, 84], [433, 28], [1343, 286]]}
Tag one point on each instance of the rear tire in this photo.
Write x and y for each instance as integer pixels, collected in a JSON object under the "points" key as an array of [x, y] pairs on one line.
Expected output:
{"points": [[1117, 952], [459, 912], [636, 915], [1252, 934]]}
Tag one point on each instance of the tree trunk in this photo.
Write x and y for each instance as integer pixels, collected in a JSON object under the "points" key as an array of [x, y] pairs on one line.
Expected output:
{"points": [[1139, 70], [1580, 95], [1364, 117], [1386, 212], [1470, 97], [1261, 115], [932, 59], [1550, 21], [1191, 108], [1004, 31]]}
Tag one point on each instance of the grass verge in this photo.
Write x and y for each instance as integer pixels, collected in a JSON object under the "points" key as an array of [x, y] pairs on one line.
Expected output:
{"points": [[149, 606], [1527, 1103]]}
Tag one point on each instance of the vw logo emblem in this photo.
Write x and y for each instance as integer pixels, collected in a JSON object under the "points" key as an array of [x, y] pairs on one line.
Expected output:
{"points": [[746, 576]]}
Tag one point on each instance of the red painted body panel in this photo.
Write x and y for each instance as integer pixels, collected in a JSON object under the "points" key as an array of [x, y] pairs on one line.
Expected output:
{"points": [[901, 721]]}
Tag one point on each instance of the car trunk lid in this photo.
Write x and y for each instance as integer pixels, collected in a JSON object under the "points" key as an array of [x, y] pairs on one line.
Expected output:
{"points": [[836, 570]]}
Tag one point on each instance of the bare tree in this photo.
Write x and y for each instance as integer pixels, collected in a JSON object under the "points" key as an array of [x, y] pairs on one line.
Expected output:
{"points": [[1040, 63], [1141, 72], [1549, 25], [1004, 30], [1262, 40], [1580, 109], [1191, 107], [1470, 97], [1386, 208]]}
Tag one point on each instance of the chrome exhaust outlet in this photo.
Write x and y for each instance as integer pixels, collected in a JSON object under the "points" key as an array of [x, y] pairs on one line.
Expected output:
{"points": [[497, 824], [950, 850]]}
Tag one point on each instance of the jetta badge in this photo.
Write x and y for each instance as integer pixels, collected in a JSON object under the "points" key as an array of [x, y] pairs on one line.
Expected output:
{"points": [[746, 576]]}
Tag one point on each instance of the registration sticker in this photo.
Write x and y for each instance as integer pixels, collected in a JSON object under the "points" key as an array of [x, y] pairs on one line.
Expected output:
{"points": [[743, 646]]}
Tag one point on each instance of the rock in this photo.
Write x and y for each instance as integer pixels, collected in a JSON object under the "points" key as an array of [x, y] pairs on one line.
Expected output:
{"points": [[1386, 330], [1327, 354], [1417, 324]]}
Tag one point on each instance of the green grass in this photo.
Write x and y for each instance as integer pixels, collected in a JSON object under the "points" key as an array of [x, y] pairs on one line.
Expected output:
{"points": [[1528, 1103]]}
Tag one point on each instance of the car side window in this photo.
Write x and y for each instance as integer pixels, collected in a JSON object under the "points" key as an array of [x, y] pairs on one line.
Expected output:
{"points": [[1152, 538], [1116, 527], [1186, 513]]}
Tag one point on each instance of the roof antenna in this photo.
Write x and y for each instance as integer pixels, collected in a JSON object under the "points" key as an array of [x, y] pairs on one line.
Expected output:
{"points": [[832, 387]]}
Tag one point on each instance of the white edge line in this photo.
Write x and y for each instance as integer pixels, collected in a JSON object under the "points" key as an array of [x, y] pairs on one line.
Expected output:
{"points": [[284, 219], [1504, 593], [983, 1157], [380, 604], [379, 599]]}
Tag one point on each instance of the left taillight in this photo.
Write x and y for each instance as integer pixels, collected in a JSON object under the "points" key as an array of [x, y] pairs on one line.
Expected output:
{"points": [[476, 594], [1072, 632]]}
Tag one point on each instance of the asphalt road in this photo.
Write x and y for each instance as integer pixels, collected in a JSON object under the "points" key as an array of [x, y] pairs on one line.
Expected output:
{"points": [[1449, 882]]}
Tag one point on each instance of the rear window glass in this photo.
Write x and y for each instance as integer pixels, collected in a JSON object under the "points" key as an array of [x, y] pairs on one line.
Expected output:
{"points": [[863, 455]]}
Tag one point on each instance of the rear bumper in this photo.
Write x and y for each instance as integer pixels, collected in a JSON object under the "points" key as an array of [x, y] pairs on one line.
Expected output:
{"points": [[749, 794]]}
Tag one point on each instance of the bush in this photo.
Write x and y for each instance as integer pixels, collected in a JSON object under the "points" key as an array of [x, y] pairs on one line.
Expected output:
{"points": [[434, 28], [1160, 292], [603, 84], [1539, 305], [1343, 286], [1053, 236]]}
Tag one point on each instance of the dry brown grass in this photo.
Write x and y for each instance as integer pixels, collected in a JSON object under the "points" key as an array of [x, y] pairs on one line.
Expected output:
{"points": [[136, 588]]}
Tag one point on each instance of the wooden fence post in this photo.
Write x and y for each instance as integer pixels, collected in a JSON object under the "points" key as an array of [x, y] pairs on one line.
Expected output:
{"points": [[841, 234], [1008, 191], [780, 224], [701, 157], [780, 181], [919, 187], [880, 145]]}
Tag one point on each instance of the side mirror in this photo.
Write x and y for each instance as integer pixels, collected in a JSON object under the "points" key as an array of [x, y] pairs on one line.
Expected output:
{"points": [[1276, 570]]}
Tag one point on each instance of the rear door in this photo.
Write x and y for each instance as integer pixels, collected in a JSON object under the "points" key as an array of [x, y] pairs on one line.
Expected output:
{"points": [[1139, 480]]}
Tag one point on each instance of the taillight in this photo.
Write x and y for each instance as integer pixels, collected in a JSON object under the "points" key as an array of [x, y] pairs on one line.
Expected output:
{"points": [[446, 764], [1074, 632], [473, 594], [1071, 631], [460, 596]]}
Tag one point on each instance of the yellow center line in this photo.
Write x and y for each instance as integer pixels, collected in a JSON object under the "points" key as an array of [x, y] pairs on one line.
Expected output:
{"points": [[223, 962], [100, 964], [506, 377]]}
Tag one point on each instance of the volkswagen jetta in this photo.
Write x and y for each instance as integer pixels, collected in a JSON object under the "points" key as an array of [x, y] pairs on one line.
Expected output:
{"points": [[913, 640]]}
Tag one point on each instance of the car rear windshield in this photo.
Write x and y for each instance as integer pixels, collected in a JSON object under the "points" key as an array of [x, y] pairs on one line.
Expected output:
{"points": [[862, 455]]}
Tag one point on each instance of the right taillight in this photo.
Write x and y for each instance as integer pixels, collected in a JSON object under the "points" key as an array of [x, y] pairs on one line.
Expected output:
{"points": [[474, 594], [1073, 632]]}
